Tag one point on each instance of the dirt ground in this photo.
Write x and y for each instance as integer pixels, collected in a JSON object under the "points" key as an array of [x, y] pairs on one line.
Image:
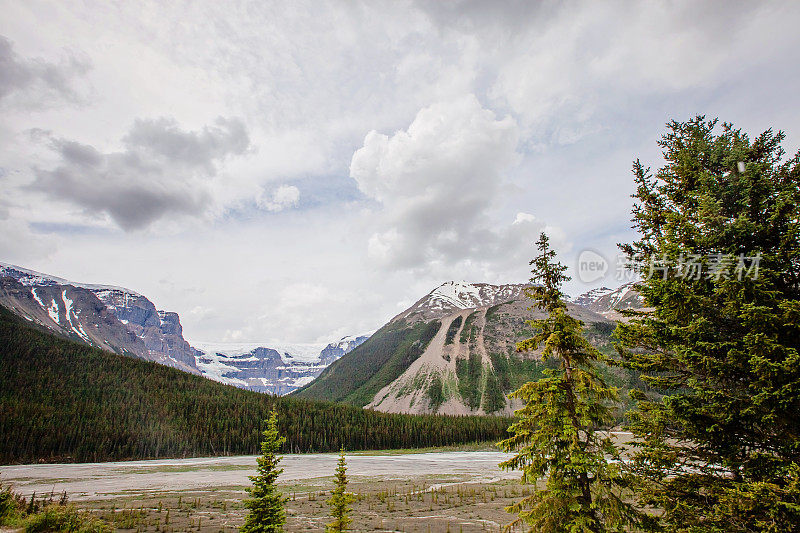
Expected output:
{"points": [[436, 505]]}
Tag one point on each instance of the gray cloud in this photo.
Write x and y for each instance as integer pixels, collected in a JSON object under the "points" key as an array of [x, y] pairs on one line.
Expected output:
{"points": [[163, 170], [36, 81], [163, 138]]}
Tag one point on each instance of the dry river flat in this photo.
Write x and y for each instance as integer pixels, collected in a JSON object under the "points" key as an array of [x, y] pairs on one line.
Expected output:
{"points": [[434, 491], [95, 481]]}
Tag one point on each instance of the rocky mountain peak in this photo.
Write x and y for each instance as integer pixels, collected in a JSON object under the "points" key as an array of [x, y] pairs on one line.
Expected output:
{"points": [[610, 301], [453, 296]]}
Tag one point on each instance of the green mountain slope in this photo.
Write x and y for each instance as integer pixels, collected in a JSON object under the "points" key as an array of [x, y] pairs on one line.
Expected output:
{"points": [[379, 360], [64, 401]]}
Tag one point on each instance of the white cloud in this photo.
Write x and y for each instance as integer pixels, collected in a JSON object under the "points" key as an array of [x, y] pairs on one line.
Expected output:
{"points": [[36, 83], [522, 218], [437, 182], [281, 198]]}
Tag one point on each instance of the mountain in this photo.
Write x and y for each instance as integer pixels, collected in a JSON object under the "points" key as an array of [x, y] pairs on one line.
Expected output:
{"points": [[273, 368], [125, 322], [452, 352], [65, 401], [609, 302], [113, 318]]}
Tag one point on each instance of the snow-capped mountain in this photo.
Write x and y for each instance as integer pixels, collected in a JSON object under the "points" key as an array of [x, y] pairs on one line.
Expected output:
{"points": [[452, 352], [112, 318], [453, 296], [270, 367], [610, 301]]}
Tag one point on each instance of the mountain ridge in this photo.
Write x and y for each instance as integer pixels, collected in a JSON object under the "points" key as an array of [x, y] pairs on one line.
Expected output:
{"points": [[466, 354], [109, 317], [610, 302], [451, 296]]}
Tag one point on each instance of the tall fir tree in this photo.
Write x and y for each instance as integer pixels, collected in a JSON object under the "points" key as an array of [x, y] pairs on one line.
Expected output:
{"points": [[340, 499], [719, 428], [556, 435], [266, 502]]}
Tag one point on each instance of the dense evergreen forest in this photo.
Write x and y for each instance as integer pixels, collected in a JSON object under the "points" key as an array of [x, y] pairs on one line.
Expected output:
{"points": [[64, 401]]}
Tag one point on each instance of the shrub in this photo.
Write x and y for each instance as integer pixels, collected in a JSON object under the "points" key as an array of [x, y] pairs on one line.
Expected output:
{"points": [[10, 505], [64, 518]]}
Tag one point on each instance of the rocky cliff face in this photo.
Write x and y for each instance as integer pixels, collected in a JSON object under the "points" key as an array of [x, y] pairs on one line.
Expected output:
{"points": [[471, 364], [112, 318], [336, 350]]}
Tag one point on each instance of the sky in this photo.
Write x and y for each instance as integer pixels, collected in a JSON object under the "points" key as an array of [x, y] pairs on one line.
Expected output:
{"points": [[300, 171]]}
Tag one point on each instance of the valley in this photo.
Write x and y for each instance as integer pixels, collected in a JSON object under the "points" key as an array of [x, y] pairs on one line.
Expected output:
{"points": [[64, 401], [452, 352]]}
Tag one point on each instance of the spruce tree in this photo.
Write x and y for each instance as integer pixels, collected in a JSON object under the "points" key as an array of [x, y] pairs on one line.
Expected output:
{"points": [[719, 346], [266, 503], [556, 435], [340, 500]]}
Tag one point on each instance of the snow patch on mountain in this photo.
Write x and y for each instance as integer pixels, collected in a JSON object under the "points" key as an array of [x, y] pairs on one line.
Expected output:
{"points": [[303, 381], [67, 307], [212, 366], [79, 331], [590, 296], [455, 294], [273, 367], [36, 297], [462, 295], [53, 312]]}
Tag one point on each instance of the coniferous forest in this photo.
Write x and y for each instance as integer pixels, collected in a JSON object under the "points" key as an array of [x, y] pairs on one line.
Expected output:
{"points": [[64, 401]]}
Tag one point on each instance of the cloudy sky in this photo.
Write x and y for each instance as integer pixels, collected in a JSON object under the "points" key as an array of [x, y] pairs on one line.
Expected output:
{"points": [[305, 170]]}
